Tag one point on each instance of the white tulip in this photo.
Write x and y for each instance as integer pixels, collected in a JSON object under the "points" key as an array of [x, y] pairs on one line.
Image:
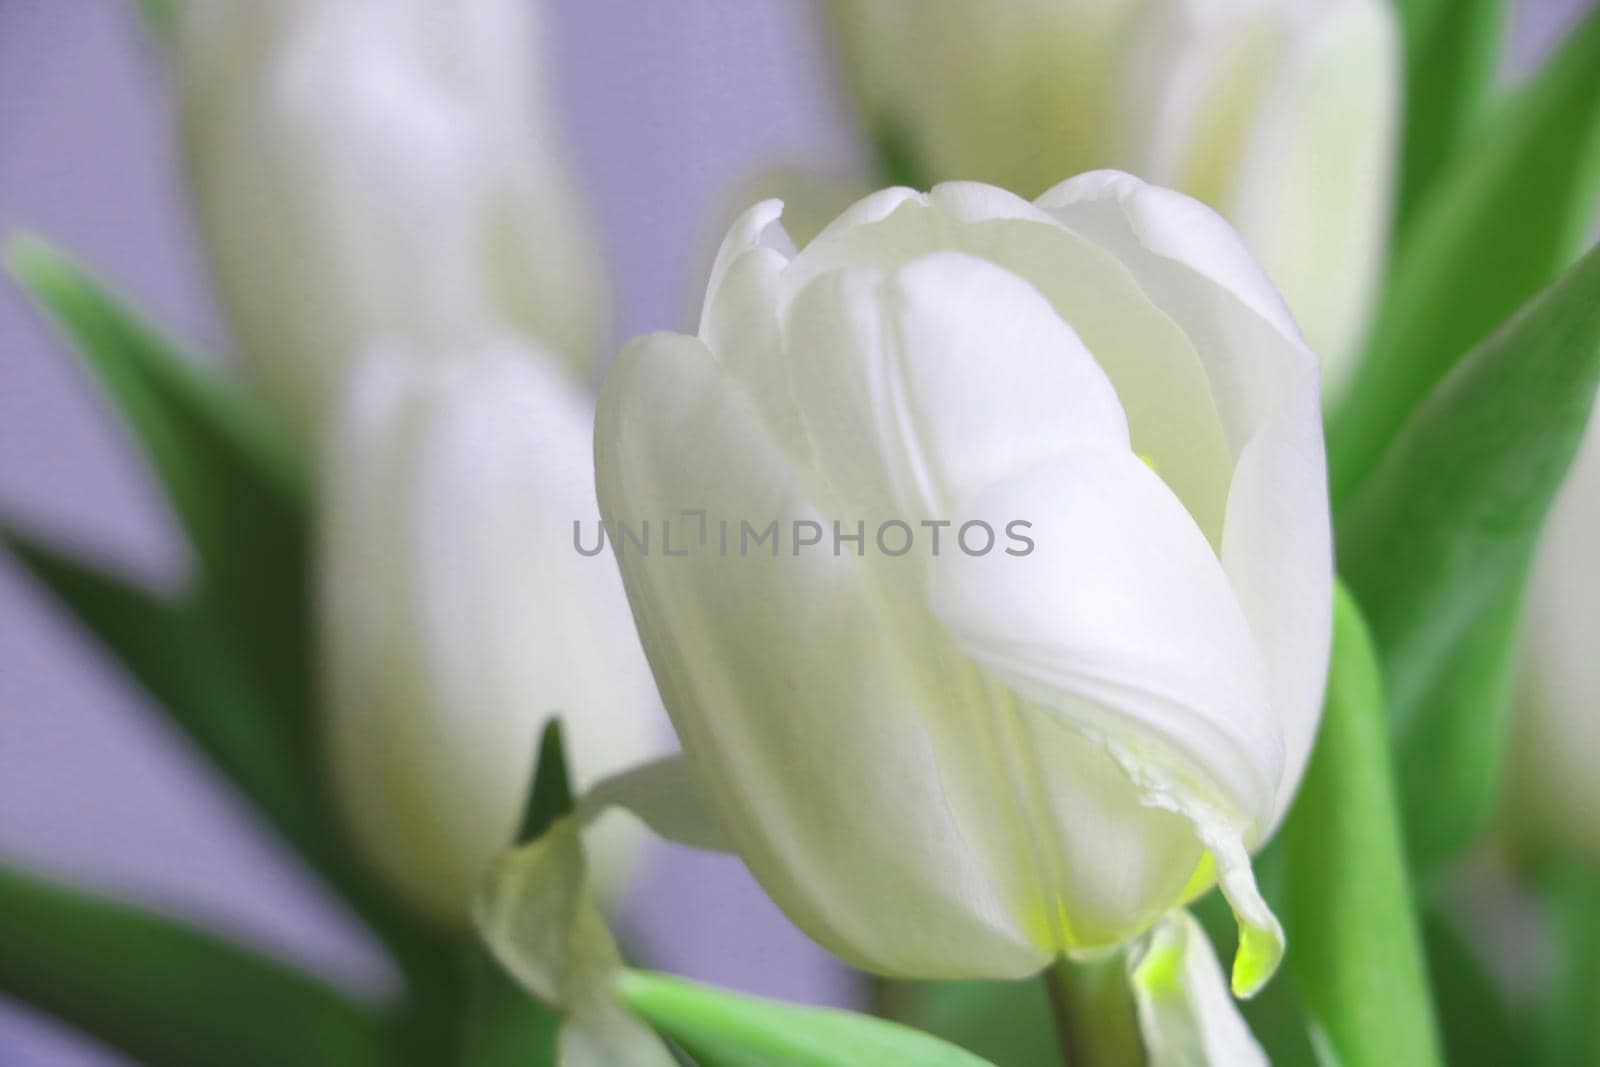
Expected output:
{"points": [[1280, 114], [458, 617], [959, 762], [1555, 793], [380, 170]]}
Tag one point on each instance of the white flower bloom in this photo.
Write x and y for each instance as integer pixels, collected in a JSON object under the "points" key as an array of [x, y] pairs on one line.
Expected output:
{"points": [[965, 762], [458, 616], [380, 171], [1555, 793], [1280, 114]]}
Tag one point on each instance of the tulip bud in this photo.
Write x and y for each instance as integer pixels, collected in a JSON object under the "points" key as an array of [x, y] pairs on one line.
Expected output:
{"points": [[1004, 628], [372, 171], [458, 617], [1555, 793], [1280, 114]]}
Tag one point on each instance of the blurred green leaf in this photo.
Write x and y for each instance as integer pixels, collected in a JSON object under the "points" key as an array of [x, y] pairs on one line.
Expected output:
{"points": [[168, 995], [1438, 541], [1477, 1026], [231, 662], [1513, 209], [159, 15], [502, 1025], [193, 675], [236, 486], [1452, 52], [1569, 1025], [723, 1029], [1007, 1023], [1356, 949], [1457, 748]]}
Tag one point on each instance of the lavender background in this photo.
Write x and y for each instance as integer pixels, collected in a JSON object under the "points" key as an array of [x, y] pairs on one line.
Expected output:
{"points": [[673, 108]]}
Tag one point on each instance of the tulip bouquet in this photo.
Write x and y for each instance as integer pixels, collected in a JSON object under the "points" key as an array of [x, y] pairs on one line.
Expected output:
{"points": [[1100, 582]]}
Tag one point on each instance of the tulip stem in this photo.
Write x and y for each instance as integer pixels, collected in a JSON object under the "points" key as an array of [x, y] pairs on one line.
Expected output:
{"points": [[1094, 1014]]}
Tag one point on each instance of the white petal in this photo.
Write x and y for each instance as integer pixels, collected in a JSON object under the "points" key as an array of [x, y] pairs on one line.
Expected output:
{"points": [[1186, 1017], [925, 386], [804, 716], [1122, 621], [667, 797], [1276, 544], [459, 617], [1159, 378]]}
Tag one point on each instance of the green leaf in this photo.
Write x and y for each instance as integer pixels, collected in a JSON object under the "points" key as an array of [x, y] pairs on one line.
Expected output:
{"points": [[193, 675], [1357, 955], [1512, 211], [1007, 1023], [1454, 757], [550, 793], [236, 486], [722, 1029], [1452, 52], [168, 995], [1568, 1029], [1439, 538], [1477, 1026], [159, 15], [503, 1026]]}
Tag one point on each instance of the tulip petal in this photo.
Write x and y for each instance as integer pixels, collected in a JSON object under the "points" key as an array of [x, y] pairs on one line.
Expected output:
{"points": [[923, 387], [792, 693], [1276, 545], [1186, 1017], [665, 795], [1122, 621], [1159, 379]]}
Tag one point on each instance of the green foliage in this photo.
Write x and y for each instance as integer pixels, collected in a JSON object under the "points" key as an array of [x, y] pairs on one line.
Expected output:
{"points": [[1007, 1023], [1439, 539], [1452, 49], [1478, 1028], [722, 1029], [1512, 210], [169, 995], [1357, 956]]}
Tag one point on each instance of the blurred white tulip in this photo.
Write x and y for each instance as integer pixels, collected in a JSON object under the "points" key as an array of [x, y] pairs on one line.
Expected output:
{"points": [[458, 617], [965, 761], [381, 171], [1281, 114], [1555, 792]]}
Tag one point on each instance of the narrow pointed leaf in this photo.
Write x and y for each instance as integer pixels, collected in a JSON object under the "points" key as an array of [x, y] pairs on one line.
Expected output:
{"points": [[1514, 209], [194, 678], [1357, 960], [503, 1025], [1439, 539], [176, 653], [168, 995], [234, 483], [722, 1029]]}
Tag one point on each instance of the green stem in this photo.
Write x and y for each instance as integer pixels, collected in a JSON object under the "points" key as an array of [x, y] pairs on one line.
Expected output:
{"points": [[1094, 1014]]}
